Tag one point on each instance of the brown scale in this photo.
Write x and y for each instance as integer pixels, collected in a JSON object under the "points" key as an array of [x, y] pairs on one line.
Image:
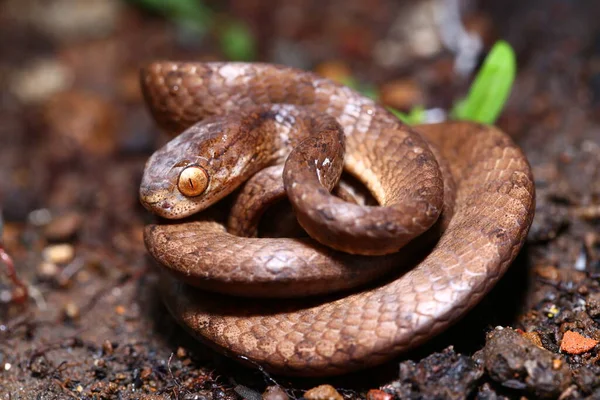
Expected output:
{"points": [[474, 175]]}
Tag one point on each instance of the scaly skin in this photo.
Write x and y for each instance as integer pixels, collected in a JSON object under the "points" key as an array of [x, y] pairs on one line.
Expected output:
{"points": [[485, 228]]}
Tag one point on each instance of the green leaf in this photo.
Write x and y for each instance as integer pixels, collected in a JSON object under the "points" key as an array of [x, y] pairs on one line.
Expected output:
{"points": [[491, 87], [237, 42], [414, 117]]}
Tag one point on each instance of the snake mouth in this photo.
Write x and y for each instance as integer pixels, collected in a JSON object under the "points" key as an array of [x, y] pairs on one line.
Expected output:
{"points": [[156, 202]]}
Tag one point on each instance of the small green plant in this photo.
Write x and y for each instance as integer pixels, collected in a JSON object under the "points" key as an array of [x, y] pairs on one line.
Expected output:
{"points": [[235, 39], [414, 117], [491, 87], [487, 95], [237, 43]]}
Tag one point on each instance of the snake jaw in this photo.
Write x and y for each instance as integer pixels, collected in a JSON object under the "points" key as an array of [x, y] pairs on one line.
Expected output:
{"points": [[168, 203]]}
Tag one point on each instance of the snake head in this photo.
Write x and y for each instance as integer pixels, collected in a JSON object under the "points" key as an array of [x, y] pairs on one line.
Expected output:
{"points": [[187, 175]]}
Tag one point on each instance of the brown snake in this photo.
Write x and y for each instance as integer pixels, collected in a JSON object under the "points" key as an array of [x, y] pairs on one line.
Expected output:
{"points": [[469, 182]]}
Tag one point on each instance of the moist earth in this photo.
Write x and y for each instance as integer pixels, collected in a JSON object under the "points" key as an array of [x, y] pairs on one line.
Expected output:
{"points": [[75, 135]]}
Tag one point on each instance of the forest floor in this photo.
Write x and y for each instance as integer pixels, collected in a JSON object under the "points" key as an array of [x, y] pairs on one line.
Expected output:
{"points": [[74, 137]]}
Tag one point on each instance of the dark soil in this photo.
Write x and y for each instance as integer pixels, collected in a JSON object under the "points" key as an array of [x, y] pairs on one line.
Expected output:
{"points": [[74, 136]]}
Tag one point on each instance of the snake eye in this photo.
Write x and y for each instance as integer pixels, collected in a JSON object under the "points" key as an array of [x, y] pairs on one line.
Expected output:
{"points": [[192, 181]]}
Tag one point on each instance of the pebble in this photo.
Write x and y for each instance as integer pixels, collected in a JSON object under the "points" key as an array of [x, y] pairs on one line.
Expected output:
{"points": [[71, 310], [246, 393], [323, 392], [59, 253], [547, 272], [376, 394], [39, 217], [275, 393], [534, 338], [40, 80], [575, 343], [47, 269], [181, 353], [515, 362], [145, 373], [107, 347], [586, 378], [402, 94], [63, 227], [442, 375], [593, 305], [335, 70]]}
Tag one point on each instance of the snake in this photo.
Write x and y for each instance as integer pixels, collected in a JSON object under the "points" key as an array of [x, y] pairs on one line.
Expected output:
{"points": [[453, 205]]}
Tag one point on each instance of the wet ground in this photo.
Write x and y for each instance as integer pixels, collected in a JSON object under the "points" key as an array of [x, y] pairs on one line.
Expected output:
{"points": [[74, 136]]}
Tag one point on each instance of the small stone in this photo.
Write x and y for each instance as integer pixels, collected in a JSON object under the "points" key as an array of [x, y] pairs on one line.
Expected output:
{"points": [[588, 212], [71, 311], [534, 338], [583, 290], [402, 94], [145, 373], [592, 305], [376, 394], [39, 217], [63, 227], [39, 366], [246, 393], [275, 393], [47, 270], [442, 375], [515, 362], [107, 347], [323, 392], [548, 272], [334, 70], [40, 80], [576, 343], [59, 253], [586, 378], [181, 353], [557, 363]]}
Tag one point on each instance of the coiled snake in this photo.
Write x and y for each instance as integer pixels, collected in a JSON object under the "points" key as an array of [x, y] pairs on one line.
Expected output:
{"points": [[455, 202]]}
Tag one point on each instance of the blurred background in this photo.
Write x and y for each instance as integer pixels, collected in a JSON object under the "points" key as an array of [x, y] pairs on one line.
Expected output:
{"points": [[74, 136], [69, 68]]}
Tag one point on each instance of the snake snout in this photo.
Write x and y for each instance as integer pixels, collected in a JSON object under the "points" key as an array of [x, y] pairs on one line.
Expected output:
{"points": [[152, 199]]}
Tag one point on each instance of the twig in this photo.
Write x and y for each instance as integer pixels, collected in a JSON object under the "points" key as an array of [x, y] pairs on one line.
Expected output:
{"points": [[20, 293]]}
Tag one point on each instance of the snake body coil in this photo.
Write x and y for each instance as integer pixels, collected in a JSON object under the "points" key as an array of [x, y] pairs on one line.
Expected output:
{"points": [[467, 182]]}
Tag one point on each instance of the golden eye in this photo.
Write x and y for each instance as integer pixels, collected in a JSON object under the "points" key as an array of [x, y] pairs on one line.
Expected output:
{"points": [[192, 181]]}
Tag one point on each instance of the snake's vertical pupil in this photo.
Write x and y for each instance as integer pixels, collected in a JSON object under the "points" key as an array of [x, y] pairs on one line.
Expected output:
{"points": [[193, 181]]}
